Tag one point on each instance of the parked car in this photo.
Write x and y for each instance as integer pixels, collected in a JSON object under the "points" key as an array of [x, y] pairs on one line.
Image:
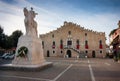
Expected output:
{"points": [[4, 55], [10, 56], [1, 55]]}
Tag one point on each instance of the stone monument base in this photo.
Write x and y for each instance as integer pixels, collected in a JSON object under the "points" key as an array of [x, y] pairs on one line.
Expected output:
{"points": [[33, 60], [35, 51], [37, 67]]}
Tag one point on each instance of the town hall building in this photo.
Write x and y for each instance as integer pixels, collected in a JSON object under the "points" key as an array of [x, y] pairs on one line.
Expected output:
{"points": [[72, 40]]}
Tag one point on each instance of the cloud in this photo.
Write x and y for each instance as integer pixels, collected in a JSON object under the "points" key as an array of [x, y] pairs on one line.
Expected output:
{"points": [[100, 22], [12, 18]]}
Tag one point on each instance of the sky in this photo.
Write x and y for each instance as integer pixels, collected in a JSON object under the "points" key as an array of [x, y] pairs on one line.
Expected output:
{"points": [[97, 15]]}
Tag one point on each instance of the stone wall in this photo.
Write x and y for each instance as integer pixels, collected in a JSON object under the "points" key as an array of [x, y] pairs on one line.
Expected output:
{"points": [[73, 32]]}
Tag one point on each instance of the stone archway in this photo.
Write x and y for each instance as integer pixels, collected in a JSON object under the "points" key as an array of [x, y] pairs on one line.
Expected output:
{"points": [[69, 53]]}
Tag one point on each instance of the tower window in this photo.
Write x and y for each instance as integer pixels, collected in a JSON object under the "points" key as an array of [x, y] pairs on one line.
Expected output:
{"points": [[69, 32], [52, 35], [85, 34]]}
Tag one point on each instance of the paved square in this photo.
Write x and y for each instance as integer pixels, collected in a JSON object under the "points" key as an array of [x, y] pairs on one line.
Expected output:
{"points": [[69, 69]]}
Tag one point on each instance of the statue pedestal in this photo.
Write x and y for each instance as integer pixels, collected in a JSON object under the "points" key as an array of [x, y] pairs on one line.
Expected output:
{"points": [[35, 51], [34, 60], [34, 57]]}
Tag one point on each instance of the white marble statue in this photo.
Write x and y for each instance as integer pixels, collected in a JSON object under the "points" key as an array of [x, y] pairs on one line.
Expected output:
{"points": [[30, 23], [29, 51]]}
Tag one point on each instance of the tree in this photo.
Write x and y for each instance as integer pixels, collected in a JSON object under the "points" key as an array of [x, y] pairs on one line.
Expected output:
{"points": [[1, 30], [14, 37], [2, 37], [8, 42]]}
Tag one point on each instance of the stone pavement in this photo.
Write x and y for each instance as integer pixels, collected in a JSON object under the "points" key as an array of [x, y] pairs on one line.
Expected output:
{"points": [[69, 69]]}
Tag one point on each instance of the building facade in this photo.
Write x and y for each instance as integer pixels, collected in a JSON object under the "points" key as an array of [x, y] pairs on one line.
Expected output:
{"points": [[115, 41], [72, 40]]}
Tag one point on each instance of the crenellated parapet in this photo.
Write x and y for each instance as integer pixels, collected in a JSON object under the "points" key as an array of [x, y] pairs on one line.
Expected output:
{"points": [[82, 28], [69, 24]]}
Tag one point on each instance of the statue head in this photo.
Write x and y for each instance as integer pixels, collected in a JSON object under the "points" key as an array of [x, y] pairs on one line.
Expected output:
{"points": [[31, 8], [25, 11]]}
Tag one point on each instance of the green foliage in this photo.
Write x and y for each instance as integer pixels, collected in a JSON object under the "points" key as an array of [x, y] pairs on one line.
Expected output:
{"points": [[1, 30], [2, 38], [15, 36], [7, 42]]}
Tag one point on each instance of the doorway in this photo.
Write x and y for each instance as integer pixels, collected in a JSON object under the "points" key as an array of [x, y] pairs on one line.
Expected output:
{"points": [[69, 53], [93, 54], [48, 53]]}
